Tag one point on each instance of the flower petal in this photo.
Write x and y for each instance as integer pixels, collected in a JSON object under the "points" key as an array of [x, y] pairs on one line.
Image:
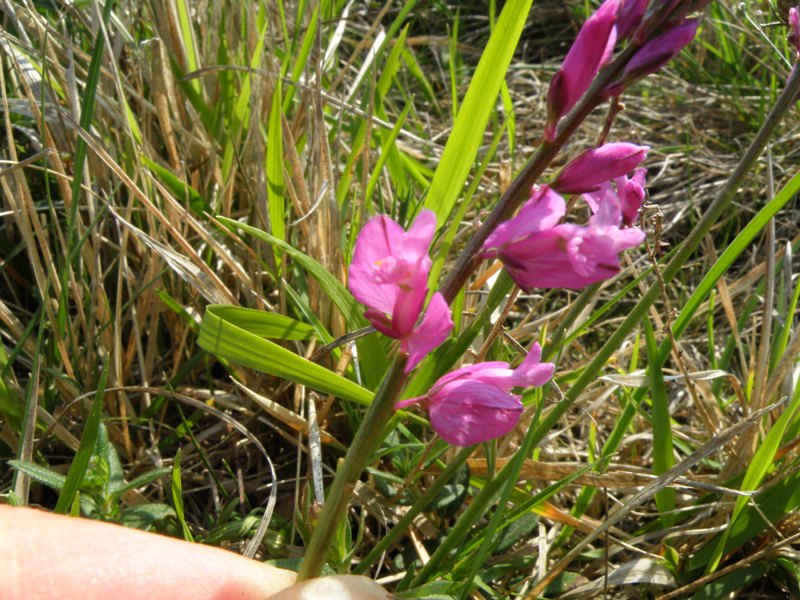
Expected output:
{"points": [[532, 372], [598, 165], [470, 412], [543, 211], [432, 331], [379, 238]]}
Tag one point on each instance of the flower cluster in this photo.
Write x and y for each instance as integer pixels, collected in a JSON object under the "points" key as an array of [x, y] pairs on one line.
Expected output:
{"points": [[659, 31], [539, 251], [389, 275], [474, 404]]}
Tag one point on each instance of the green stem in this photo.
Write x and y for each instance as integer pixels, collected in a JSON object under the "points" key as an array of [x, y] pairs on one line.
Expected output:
{"points": [[367, 437], [421, 504]]}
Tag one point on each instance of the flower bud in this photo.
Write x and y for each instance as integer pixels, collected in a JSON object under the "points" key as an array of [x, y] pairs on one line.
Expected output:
{"points": [[590, 51], [598, 165]]}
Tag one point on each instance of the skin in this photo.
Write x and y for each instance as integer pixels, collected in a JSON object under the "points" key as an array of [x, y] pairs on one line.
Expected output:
{"points": [[44, 556]]}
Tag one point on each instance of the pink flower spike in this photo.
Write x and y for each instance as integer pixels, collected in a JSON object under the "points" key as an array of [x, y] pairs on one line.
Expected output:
{"points": [[657, 52], [429, 333], [794, 28], [597, 165], [591, 50]]}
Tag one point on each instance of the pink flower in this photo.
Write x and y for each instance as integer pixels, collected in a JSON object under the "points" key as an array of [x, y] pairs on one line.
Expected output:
{"points": [[539, 254], [591, 50], [475, 404], [628, 197], [597, 165], [629, 16], [794, 28], [654, 54], [389, 275]]}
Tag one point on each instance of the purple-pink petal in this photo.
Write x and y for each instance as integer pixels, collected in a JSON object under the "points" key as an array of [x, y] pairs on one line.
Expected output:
{"points": [[470, 412], [544, 210], [531, 372], [794, 28], [598, 165], [429, 333], [379, 238], [631, 195], [629, 16], [592, 49], [659, 51]]}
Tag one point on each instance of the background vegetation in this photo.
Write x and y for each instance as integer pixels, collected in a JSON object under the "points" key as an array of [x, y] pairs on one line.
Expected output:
{"points": [[136, 134]]}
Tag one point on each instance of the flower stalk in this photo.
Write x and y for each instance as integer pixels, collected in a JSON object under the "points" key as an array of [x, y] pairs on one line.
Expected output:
{"points": [[350, 468]]}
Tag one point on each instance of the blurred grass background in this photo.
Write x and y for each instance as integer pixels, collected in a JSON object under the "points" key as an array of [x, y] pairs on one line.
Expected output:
{"points": [[130, 130]]}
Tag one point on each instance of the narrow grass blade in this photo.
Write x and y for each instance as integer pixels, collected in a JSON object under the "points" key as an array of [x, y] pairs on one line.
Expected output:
{"points": [[265, 324], [77, 469], [179, 188], [662, 428], [275, 184], [223, 336], [177, 496], [467, 135]]}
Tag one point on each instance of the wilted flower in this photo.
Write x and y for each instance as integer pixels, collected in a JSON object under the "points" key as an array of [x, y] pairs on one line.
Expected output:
{"points": [[538, 253], [597, 165], [591, 50], [389, 275], [475, 404]]}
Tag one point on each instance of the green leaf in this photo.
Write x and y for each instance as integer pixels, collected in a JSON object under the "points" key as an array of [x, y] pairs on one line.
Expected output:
{"points": [[179, 188], [371, 353], [177, 496], [453, 495], [275, 185], [222, 334], [144, 516], [467, 134], [140, 481], [77, 470], [39, 474]]}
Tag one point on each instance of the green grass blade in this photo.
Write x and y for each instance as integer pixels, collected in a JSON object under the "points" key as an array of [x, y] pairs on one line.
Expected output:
{"points": [[179, 188], [177, 496], [467, 135], [662, 428], [275, 184], [759, 465], [80, 463], [224, 336], [266, 324]]}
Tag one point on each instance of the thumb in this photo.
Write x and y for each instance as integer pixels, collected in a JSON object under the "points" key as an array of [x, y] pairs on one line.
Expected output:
{"points": [[51, 556]]}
